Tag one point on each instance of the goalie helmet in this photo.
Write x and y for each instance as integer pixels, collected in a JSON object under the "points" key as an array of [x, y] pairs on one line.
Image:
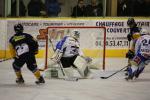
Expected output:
{"points": [[75, 34], [18, 28], [131, 22]]}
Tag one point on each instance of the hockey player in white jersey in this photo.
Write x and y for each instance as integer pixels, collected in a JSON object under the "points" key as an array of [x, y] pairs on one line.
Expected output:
{"points": [[69, 54], [141, 57]]}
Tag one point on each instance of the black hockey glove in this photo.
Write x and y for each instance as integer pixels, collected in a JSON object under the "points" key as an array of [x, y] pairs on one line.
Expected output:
{"points": [[129, 37], [130, 54]]}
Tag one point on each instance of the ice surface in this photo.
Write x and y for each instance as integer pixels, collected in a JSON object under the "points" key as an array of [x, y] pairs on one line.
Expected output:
{"points": [[114, 88]]}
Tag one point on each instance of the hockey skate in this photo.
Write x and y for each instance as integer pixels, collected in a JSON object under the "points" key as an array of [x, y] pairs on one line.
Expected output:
{"points": [[129, 77], [126, 70], [40, 80], [130, 74], [138, 72], [20, 80]]}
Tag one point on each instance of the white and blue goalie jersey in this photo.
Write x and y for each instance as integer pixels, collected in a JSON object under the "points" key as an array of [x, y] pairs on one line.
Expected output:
{"points": [[69, 47]]}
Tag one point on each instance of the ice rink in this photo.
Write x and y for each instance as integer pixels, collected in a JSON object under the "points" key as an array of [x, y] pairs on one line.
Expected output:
{"points": [[114, 88]]}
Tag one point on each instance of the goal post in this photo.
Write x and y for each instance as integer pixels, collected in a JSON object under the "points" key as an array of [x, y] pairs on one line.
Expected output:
{"points": [[92, 42]]}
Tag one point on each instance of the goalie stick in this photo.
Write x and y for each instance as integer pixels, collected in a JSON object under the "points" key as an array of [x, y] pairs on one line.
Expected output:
{"points": [[59, 63], [105, 77]]}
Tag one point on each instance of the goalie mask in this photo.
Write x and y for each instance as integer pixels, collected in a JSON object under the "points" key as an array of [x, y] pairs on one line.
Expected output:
{"points": [[18, 28], [75, 34]]}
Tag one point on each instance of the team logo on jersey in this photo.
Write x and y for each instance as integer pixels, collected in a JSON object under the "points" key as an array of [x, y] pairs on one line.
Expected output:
{"points": [[17, 38]]}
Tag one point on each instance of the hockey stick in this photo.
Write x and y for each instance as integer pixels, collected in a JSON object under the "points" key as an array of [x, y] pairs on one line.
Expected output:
{"points": [[120, 69], [128, 58], [5, 59], [105, 77]]}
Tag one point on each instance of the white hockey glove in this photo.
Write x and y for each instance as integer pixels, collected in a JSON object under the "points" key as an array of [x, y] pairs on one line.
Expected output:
{"points": [[57, 56]]}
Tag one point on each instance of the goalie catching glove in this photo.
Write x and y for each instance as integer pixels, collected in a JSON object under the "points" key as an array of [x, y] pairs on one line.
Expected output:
{"points": [[130, 54]]}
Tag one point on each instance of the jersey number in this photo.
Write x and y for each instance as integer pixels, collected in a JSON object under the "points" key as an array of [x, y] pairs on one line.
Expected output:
{"points": [[146, 42], [74, 50], [21, 49]]}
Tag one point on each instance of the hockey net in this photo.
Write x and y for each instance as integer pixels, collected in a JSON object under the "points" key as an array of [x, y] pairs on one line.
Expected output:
{"points": [[92, 43]]}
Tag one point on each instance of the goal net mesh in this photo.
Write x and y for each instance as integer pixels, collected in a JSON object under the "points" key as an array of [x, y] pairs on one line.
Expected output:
{"points": [[92, 43]]}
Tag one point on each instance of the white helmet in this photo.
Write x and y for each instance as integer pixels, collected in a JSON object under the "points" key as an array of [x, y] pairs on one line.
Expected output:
{"points": [[144, 32], [75, 34]]}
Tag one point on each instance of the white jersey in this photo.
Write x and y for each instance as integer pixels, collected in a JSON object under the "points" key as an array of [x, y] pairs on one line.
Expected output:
{"points": [[69, 46], [142, 45]]}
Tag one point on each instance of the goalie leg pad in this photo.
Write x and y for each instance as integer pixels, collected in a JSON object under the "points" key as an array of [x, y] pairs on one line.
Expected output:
{"points": [[53, 72], [51, 63], [82, 66], [69, 72]]}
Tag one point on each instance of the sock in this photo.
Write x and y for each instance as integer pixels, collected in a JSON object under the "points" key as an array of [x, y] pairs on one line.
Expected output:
{"points": [[18, 74], [134, 68], [37, 74]]}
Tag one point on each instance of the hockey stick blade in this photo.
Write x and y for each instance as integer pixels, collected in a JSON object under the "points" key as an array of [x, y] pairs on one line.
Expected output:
{"points": [[5, 59], [113, 73], [103, 77]]}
